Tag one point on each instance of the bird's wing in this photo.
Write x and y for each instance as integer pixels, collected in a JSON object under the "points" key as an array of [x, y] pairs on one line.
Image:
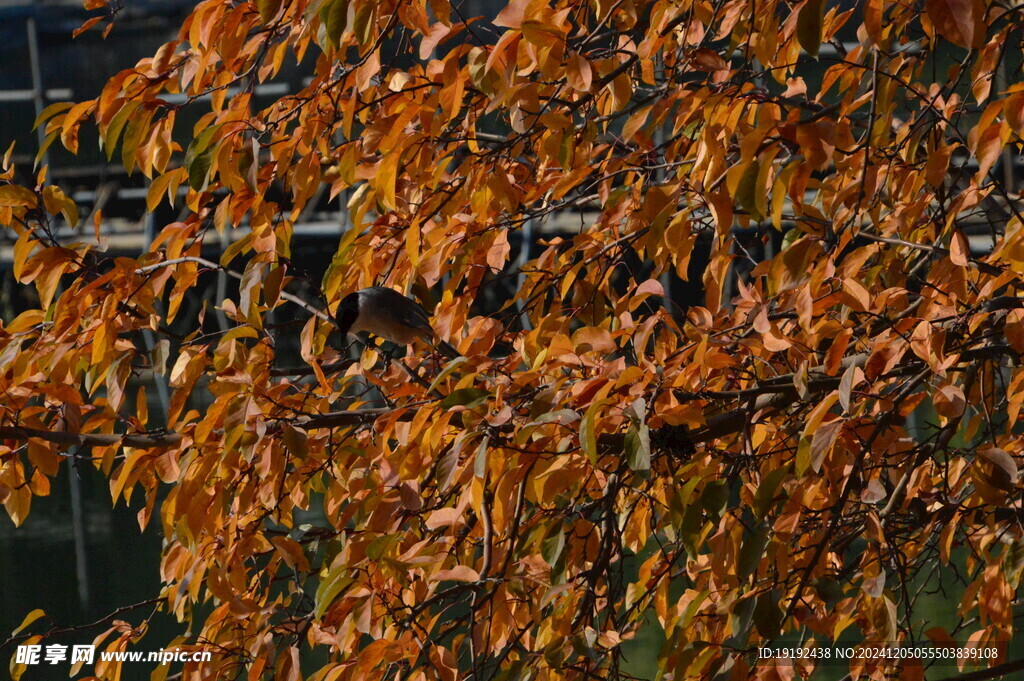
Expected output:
{"points": [[404, 310]]}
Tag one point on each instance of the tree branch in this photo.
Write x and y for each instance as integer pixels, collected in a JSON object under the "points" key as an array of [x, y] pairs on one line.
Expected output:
{"points": [[172, 438], [231, 273]]}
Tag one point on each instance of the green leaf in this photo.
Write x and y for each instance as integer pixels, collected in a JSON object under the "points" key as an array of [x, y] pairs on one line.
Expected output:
{"points": [[1013, 563], [767, 616], [739, 618], [480, 462], [588, 438], [828, 590], [765, 494], [746, 192], [808, 25], [137, 130], [108, 140], [565, 416], [268, 9], [334, 17], [752, 550], [714, 497], [380, 546], [448, 369], [333, 584], [638, 448], [464, 397], [363, 23], [690, 529], [199, 158], [552, 545]]}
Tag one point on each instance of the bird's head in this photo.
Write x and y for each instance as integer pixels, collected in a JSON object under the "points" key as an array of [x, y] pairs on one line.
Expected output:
{"points": [[347, 312]]}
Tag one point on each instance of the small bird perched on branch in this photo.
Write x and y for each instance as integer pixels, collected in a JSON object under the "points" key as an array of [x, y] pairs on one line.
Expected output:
{"points": [[387, 313]]}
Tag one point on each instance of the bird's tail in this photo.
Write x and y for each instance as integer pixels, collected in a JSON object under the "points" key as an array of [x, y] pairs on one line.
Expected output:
{"points": [[447, 348]]}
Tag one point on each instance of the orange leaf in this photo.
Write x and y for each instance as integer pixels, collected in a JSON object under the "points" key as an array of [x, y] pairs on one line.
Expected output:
{"points": [[959, 250], [459, 573]]}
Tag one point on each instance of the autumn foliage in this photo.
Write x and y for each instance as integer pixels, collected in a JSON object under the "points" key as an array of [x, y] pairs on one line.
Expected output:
{"points": [[827, 434]]}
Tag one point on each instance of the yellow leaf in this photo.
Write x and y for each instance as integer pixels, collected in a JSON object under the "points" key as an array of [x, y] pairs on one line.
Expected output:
{"points": [[29, 619]]}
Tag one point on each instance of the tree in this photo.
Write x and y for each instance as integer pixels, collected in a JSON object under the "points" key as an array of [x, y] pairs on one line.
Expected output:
{"points": [[733, 474]]}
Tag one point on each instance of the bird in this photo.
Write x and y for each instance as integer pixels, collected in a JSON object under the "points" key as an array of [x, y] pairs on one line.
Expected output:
{"points": [[387, 313]]}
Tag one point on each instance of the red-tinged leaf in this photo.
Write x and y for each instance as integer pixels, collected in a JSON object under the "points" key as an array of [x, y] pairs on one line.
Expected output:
{"points": [[937, 164], [513, 14], [1001, 471], [437, 33], [1013, 329], [651, 287], [635, 123], [873, 23], [459, 573], [273, 284], [822, 441], [591, 339], [1013, 110], [578, 72], [851, 377], [873, 493], [961, 22], [855, 295], [949, 401], [708, 60], [443, 517], [990, 146], [89, 23], [815, 144], [959, 249], [71, 122]]}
